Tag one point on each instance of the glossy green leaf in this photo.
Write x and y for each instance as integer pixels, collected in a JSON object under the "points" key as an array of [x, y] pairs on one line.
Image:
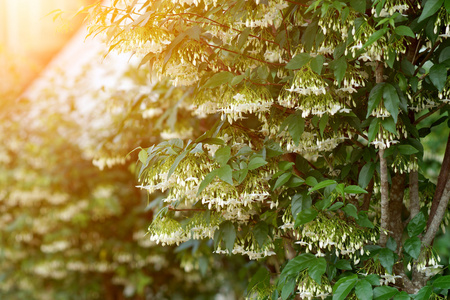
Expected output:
{"points": [[374, 127], [256, 162], [391, 100], [317, 268], [288, 288], [222, 155], [416, 225], [366, 174], [404, 31], [351, 211], [282, 180], [430, 8], [322, 184], [296, 127], [316, 64], [305, 216], [343, 264], [386, 257], [412, 246], [344, 286], [384, 292], [229, 234], [261, 232], [407, 149], [438, 76], [143, 155], [442, 282], [375, 37], [363, 290], [296, 265], [218, 79], [300, 202], [354, 189], [226, 174], [424, 293], [298, 61], [358, 5], [339, 68], [374, 98], [402, 296]]}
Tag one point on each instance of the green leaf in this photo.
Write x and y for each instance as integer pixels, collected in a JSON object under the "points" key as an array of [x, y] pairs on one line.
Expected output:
{"points": [[344, 286], [311, 181], [386, 257], [407, 149], [256, 162], [282, 180], [339, 68], [305, 216], [298, 61], [354, 189], [285, 165], [358, 5], [366, 174], [226, 174], [237, 79], [438, 75], [391, 244], [391, 100], [229, 234], [207, 180], [374, 279], [424, 293], [317, 268], [262, 275], [430, 8], [219, 79], [445, 54], [384, 292], [416, 225], [321, 185], [447, 6], [374, 127], [389, 125], [296, 265], [407, 67], [223, 155], [375, 37], [402, 296], [363, 220], [323, 123], [260, 232], [363, 290], [288, 288], [243, 38], [300, 202], [296, 126], [143, 155], [316, 64], [412, 247], [176, 162], [442, 282], [351, 210], [336, 206], [343, 264], [404, 31], [374, 98]]}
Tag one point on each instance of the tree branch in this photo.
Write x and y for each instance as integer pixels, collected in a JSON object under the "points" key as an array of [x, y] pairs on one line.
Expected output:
{"points": [[437, 217], [429, 114]]}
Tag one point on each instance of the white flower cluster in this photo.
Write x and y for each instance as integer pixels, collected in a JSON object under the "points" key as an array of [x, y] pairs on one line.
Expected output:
{"points": [[310, 289], [33, 197], [334, 234], [252, 252], [56, 246], [109, 161]]}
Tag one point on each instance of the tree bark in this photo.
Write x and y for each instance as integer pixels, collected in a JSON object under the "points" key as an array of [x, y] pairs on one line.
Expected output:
{"points": [[414, 202], [437, 217], [442, 181], [384, 188], [396, 209]]}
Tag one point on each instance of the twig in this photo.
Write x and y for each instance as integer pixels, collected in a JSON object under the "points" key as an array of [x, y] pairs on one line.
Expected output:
{"points": [[170, 207], [429, 113]]}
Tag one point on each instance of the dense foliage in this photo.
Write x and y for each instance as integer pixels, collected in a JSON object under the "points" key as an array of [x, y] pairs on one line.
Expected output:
{"points": [[296, 137]]}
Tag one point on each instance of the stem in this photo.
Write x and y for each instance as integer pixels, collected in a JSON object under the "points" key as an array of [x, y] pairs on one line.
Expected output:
{"points": [[185, 209]]}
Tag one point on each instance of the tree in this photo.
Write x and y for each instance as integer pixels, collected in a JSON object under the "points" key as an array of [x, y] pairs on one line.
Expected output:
{"points": [[300, 137]]}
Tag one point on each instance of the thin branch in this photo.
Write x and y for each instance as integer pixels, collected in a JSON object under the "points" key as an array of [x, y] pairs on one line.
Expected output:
{"points": [[298, 3], [287, 36], [442, 181], [384, 185], [428, 56], [429, 113], [437, 217], [185, 209], [366, 202]]}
